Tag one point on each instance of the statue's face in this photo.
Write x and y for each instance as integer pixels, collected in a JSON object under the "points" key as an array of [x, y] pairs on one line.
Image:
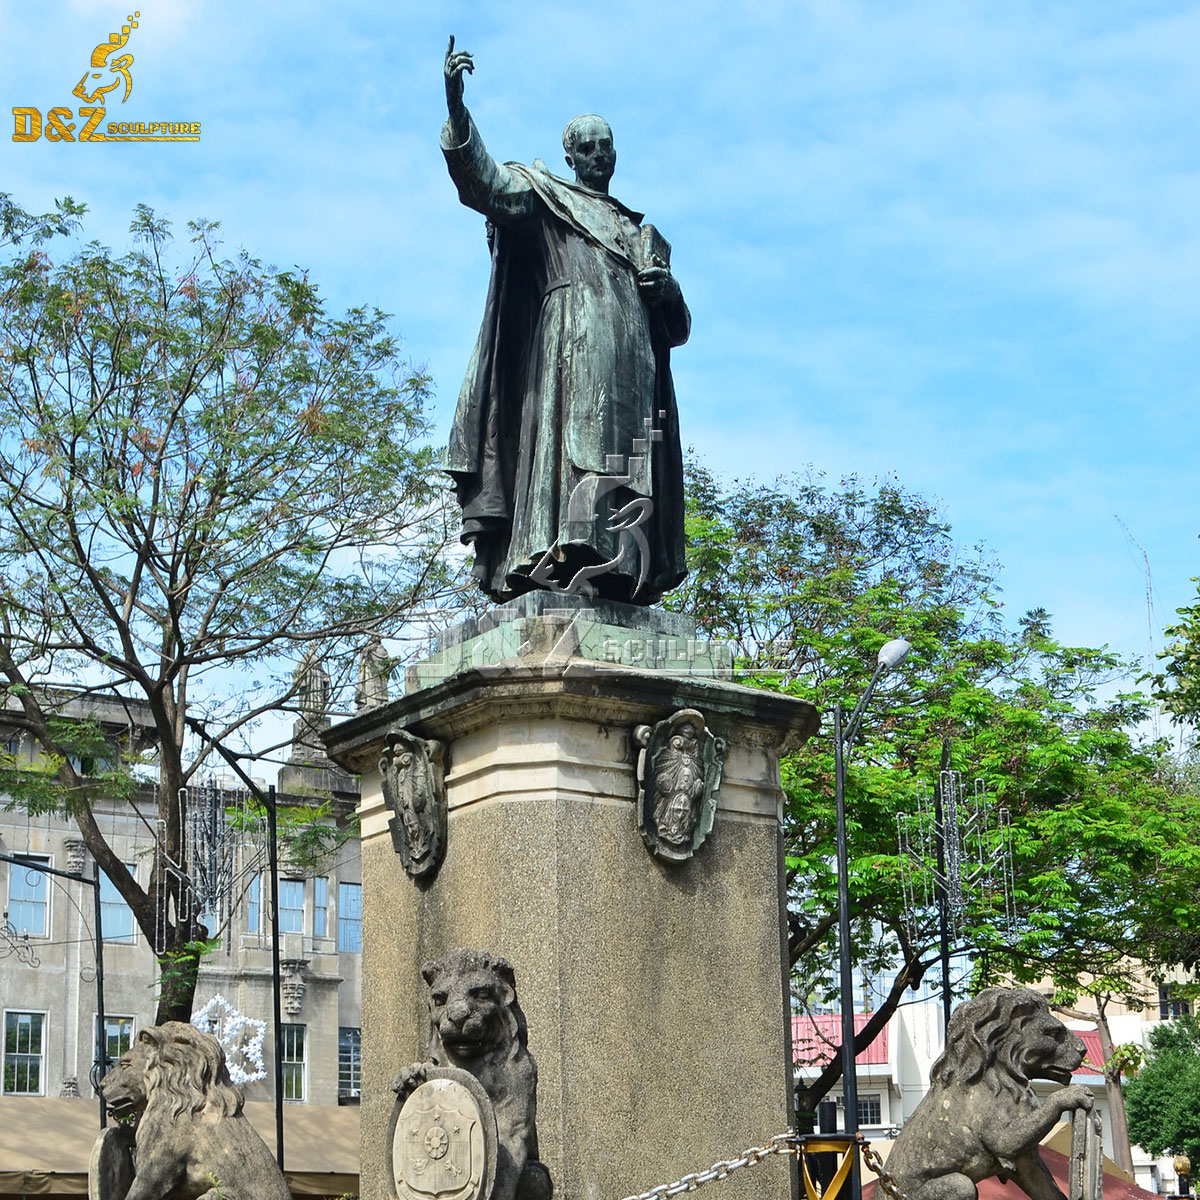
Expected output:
{"points": [[592, 154]]}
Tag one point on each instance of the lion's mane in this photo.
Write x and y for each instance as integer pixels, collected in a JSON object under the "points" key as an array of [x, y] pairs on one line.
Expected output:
{"points": [[186, 1072], [983, 1041]]}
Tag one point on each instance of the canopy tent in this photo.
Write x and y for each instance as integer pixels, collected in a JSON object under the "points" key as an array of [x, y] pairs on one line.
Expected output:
{"points": [[45, 1146]]}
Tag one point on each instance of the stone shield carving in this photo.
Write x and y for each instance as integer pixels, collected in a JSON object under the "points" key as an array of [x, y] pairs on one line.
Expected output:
{"points": [[413, 786], [111, 1170], [679, 772], [443, 1139]]}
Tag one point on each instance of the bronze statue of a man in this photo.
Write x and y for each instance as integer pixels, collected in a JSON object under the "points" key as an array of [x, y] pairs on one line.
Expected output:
{"points": [[565, 447]]}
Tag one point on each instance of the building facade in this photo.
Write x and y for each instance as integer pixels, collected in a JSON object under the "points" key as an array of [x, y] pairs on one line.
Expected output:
{"points": [[48, 957], [893, 1072]]}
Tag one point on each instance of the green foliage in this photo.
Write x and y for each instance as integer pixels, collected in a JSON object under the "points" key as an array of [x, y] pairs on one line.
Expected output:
{"points": [[17, 226], [178, 968], [1178, 686], [200, 463], [206, 475], [310, 837], [810, 581], [1163, 1099], [99, 763], [1126, 1059]]}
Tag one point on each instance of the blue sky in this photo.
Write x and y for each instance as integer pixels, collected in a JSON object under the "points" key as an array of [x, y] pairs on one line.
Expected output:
{"points": [[957, 242]]}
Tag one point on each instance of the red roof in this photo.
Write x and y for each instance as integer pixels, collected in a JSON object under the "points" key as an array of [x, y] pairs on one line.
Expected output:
{"points": [[815, 1040], [1093, 1060], [1115, 1187]]}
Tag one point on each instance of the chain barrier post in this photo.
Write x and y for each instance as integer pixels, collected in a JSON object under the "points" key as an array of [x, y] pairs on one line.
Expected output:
{"points": [[801, 1145]]}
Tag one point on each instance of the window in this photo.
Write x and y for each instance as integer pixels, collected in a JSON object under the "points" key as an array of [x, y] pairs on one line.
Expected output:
{"points": [[291, 906], [293, 1062], [116, 917], [349, 1061], [350, 917], [118, 1038], [24, 1050], [253, 902], [90, 764], [870, 1110], [118, 1035], [320, 906], [1170, 1004], [209, 917], [29, 897]]}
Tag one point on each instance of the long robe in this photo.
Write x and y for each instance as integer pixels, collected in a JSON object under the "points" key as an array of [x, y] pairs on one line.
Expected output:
{"points": [[567, 412]]}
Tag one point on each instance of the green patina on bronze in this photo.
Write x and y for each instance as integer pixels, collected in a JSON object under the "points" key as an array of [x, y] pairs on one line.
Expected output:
{"points": [[567, 415]]}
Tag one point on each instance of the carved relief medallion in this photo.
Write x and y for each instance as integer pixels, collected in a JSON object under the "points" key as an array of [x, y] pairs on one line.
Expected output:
{"points": [[443, 1139], [413, 787], [111, 1170], [679, 771]]}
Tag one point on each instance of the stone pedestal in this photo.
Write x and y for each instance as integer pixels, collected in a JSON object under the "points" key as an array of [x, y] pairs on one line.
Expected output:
{"points": [[655, 993]]}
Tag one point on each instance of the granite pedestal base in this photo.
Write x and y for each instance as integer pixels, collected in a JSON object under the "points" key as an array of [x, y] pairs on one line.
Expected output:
{"points": [[655, 994]]}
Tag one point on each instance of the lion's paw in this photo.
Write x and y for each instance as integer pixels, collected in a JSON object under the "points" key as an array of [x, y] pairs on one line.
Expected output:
{"points": [[1076, 1096], [535, 1182], [409, 1080]]}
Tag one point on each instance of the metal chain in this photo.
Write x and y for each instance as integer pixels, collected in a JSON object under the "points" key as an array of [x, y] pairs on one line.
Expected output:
{"points": [[886, 1181], [781, 1143]]}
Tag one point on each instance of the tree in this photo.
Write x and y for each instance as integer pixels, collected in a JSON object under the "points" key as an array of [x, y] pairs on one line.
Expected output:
{"points": [[1163, 1098], [1178, 686], [810, 581], [17, 226], [208, 480]]}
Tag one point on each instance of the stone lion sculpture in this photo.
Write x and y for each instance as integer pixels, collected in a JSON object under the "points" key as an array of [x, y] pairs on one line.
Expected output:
{"points": [[981, 1117], [192, 1140], [477, 1025]]}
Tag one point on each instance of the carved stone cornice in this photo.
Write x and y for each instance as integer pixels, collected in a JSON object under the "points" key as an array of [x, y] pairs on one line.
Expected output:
{"points": [[573, 689]]}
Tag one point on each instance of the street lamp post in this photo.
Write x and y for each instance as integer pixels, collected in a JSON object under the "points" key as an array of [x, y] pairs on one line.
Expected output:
{"points": [[890, 655]]}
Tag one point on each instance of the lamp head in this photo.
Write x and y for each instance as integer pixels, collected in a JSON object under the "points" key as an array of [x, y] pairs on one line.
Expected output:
{"points": [[893, 653]]}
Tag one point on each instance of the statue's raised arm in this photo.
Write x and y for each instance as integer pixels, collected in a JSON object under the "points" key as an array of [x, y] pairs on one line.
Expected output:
{"points": [[456, 64], [483, 184], [567, 418]]}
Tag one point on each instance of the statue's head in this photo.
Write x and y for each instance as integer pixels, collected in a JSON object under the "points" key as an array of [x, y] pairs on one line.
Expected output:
{"points": [[588, 141]]}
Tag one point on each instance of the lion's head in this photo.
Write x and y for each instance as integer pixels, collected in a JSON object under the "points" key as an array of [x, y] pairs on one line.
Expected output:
{"points": [[473, 1007], [175, 1067], [1007, 1036]]}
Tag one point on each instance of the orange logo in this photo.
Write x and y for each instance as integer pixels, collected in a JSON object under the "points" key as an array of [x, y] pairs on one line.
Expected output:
{"points": [[93, 89]]}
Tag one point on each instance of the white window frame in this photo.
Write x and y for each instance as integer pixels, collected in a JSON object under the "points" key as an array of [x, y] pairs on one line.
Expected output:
{"points": [[301, 1062], [112, 1016], [355, 1065], [291, 908], [131, 940], [320, 893], [356, 921], [13, 869], [254, 900], [865, 1098], [31, 1012]]}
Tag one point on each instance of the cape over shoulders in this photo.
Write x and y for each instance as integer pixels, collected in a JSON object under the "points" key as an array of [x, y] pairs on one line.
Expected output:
{"points": [[540, 178]]}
